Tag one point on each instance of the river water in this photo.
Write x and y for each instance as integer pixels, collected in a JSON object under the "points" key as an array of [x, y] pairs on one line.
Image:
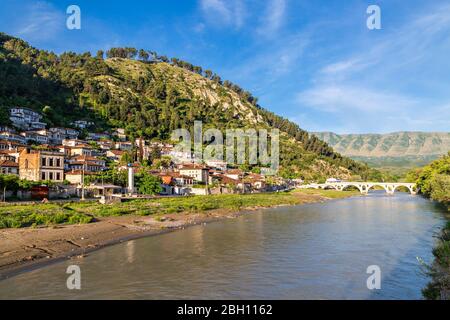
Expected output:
{"points": [[315, 251]]}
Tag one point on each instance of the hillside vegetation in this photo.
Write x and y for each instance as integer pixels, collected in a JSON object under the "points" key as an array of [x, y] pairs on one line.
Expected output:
{"points": [[149, 96], [434, 182], [434, 179]]}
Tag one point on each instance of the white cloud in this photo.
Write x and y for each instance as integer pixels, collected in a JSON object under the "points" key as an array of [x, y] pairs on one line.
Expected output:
{"points": [[335, 99], [412, 44], [275, 59], [393, 83], [224, 13], [40, 21], [360, 110], [273, 17]]}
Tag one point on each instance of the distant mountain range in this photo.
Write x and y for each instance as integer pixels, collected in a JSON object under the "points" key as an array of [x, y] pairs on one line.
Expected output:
{"points": [[399, 149]]}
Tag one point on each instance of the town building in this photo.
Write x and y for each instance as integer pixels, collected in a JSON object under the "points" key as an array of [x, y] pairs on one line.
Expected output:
{"points": [[143, 150], [81, 150], [87, 163], [123, 145], [173, 183], [256, 181], [10, 155], [234, 174], [11, 145], [83, 124], [59, 134], [9, 167], [37, 165], [114, 155], [12, 137], [98, 136], [120, 134], [217, 164], [72, 142], [35, 136], [76, 176], [198, 172], [7, 129], [105, 144], [26, 119]]}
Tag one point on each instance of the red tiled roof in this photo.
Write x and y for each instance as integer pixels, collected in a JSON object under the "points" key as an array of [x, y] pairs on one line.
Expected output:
{"points": [[117, 152], [227, 180], [234, 171], [8, 163], [193, 167], [7, 151]]}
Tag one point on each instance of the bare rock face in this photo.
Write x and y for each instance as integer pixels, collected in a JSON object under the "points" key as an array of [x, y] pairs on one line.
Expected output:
{"points": [[408, 147]]}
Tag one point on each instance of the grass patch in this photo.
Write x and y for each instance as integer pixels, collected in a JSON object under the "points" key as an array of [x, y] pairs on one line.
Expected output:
{"points": [[19, 216]]}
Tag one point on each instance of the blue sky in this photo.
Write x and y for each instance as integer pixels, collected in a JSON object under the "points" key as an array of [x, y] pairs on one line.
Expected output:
{"points": [[314, 62]]}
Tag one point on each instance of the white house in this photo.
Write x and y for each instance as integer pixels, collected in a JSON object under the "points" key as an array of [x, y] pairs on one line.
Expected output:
{"points": [[217, 164], [120, 134], [82, 124], [12, 137], [114, 155], [26, 119], [98, 136], [35, 136], [9, 167], [198, 172], [64, 133], [124, 145]]}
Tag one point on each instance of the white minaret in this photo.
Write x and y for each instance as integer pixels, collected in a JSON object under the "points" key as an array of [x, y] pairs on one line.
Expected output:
{"points": [[130, 179]]}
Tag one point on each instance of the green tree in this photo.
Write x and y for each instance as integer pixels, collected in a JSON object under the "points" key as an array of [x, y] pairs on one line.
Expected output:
{"points": [[8, 183], [47, 110], [126, 158], [440, 188], [143, 55], [434, 179], [148, 184], [100, 54]]}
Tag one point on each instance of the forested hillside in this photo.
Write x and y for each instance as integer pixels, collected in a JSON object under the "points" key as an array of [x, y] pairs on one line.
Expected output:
{"points": [[150, 95]]}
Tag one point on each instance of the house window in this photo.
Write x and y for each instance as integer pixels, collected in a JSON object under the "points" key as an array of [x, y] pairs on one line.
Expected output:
{"points": [[58, 163], [44, 162], [26, 163], [50, 162], [50, 176], [58, 176], [43, 176]]}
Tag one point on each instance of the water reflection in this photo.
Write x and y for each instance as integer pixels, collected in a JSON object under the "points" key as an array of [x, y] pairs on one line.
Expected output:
{"points": [[318, 251]]}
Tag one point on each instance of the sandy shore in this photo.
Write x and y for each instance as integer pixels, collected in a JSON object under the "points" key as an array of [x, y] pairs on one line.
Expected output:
{"points": [[29, 248]]}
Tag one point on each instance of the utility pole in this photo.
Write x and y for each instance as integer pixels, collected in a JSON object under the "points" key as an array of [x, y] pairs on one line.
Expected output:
{"points": [[82, 184]]}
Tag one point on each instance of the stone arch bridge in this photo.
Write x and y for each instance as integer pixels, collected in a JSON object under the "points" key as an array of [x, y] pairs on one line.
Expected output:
{"points": [[364, 187]]}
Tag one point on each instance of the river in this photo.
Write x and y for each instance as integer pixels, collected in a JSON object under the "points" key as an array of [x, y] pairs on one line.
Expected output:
{"points": [[314, 251]]}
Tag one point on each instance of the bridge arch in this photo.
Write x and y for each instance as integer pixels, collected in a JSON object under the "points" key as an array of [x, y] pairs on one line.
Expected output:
{"points": [[351, 185], [410, 186], [386, 186], [365, 187]]}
